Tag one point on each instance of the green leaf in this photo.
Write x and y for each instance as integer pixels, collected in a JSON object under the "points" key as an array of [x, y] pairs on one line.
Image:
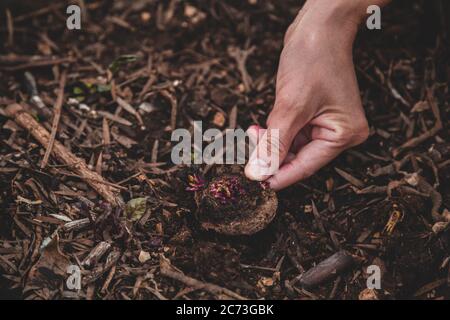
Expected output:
{"points": [[135, 208], [79, 93], [121, 61], [78, 90]]}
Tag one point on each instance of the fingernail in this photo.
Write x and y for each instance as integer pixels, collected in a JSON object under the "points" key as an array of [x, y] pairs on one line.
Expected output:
{"points": [[254, 127], [257, 169]]}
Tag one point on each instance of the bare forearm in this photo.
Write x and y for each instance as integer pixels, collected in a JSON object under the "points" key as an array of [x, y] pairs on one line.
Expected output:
{"points": [[342, 17]]}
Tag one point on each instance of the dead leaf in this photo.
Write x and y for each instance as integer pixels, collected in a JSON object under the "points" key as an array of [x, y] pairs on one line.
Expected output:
{"points": [[143, 256], [266, 281], [51, 265], [368, 294], [135, 208], [420, 106]]}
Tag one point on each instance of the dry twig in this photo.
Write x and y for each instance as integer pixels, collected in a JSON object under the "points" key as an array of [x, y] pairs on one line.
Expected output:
{"points": [[56, 117], [426, 135], [108, 192]]}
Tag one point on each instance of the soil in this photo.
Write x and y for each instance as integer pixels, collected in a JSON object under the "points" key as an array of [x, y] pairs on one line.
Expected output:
{"points": [[173, 62]]}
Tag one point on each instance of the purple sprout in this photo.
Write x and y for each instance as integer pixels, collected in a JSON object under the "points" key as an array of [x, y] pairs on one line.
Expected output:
{"points": [[226, 189], [195, 182]]}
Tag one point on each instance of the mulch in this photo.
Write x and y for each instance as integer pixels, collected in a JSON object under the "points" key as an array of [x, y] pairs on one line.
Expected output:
{"points": [[94, 186]]}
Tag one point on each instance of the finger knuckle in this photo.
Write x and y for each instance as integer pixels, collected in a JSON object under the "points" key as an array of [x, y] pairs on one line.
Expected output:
{"points": [[342, 135], [352, 134], [365, 133], [360, 132]]}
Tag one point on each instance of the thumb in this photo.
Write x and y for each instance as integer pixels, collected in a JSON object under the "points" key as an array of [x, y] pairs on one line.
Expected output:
{"points": [[255, 133], [271, 149]]}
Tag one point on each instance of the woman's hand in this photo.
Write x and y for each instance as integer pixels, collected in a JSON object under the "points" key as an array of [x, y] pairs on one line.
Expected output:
{"points": [[318, 109]]}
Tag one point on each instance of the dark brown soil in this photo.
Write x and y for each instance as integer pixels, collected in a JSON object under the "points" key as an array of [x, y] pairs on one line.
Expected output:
{"points": [[174, 62]]}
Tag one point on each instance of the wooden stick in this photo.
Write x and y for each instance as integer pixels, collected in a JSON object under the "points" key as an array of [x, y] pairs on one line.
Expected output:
{"points": [[426, 135], [78, 165], [56, 117], [326, 270], [10, 27], [45, 62], [173, 108]]}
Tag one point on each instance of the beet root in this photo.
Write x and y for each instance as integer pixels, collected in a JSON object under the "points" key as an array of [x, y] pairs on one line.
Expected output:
{"points": [[233, 205]]}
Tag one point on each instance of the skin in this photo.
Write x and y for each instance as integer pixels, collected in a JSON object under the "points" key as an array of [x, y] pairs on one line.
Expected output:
{"points": [[317, 108]]}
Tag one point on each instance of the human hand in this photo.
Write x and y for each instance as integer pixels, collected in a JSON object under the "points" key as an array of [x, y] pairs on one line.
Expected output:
{"points": [[317, 109]]}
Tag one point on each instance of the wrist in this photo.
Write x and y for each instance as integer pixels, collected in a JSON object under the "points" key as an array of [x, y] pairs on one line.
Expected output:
{"points": [[338, 13], [339, 18], [344, 11]]}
